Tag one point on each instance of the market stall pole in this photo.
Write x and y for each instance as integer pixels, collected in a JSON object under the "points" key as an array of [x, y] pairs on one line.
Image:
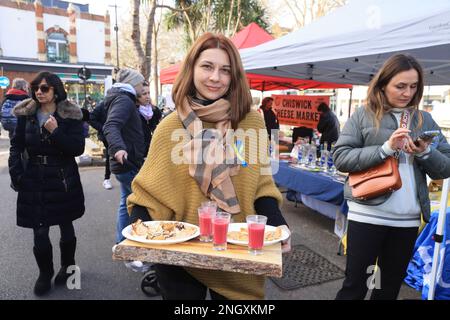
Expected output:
{"points": [[438, 238]]}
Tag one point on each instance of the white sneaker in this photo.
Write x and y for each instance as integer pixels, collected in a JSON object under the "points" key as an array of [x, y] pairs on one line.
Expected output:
{"points": [[114, 248], [138, 266], [107, 184]]}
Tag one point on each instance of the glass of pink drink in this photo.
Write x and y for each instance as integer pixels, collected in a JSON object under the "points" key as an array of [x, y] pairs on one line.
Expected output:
{"points": [[206, 213], [256, 225], [220, 229]]}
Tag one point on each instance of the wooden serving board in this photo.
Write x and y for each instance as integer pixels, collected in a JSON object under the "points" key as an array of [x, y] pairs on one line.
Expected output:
{"points": [[201, 255]]}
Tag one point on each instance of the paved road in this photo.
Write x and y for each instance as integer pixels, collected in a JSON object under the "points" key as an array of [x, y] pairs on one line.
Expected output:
{"points": [[102, 278]]}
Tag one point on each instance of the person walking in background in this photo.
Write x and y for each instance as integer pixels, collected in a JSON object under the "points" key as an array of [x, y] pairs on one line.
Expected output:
{"points": [[97, 119], [270, 117], [123, 133], [383, 230], [50, 132], [328, 125], [150, 115], [211, 93], [17, 93]]}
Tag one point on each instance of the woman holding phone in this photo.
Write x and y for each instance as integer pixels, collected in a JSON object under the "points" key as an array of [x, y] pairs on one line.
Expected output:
{"points": [[382, 231]]}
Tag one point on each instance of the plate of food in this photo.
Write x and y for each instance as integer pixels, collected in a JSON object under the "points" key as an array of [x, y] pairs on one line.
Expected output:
{"points": [[238, 234], [160, 232]]}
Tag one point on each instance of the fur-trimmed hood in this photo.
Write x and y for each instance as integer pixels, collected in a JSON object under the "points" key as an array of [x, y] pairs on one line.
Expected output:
{"points": [[65, 109]]}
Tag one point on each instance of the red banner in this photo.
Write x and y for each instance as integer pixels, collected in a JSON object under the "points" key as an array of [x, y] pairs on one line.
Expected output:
{"points": [[298, 111]]}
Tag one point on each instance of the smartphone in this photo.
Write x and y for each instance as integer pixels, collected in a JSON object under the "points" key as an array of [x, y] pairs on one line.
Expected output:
{"points": [[427, 136]]}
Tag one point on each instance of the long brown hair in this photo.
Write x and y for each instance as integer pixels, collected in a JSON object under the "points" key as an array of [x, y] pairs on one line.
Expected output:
{"points": [[265, 102], [239, 92], [376, 100]]}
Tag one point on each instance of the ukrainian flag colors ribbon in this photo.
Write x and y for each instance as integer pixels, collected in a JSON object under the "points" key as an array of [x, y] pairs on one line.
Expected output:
{"points": [[239, 149]]}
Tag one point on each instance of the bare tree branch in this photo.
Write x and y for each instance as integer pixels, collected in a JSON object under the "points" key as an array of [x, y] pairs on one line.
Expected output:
{"points": [[173, 9], [230, 15], [238, 18]]}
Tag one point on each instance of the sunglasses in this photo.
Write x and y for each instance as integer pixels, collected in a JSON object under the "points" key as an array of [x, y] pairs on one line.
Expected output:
{"points": [[43, 87]]}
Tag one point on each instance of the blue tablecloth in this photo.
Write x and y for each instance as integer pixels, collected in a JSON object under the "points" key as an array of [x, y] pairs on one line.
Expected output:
{"points": [[318, 185]]}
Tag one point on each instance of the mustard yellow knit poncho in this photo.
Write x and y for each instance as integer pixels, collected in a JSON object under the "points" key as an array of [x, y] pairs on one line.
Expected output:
{"points": [[169, 193]]}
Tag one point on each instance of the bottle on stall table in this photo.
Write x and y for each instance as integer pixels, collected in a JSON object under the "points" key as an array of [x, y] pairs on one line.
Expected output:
{"points": [[306, 148], [317, 147], [323, 157], [299, 153], [305, 152], [330, 164], [312, 157]]}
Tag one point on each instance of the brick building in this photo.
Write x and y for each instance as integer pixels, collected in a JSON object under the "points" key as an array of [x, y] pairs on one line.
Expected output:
{"points": [[59, 37]]}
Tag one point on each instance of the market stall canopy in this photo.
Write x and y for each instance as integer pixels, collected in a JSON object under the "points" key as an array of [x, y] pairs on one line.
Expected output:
{"points": [[248, 37], [351, 43], [267, 83]]}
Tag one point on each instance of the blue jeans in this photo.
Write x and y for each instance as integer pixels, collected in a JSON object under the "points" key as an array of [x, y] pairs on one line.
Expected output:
{"points": [[123, 218]]}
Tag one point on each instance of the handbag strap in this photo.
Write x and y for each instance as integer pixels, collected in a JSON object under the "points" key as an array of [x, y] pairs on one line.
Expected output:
{"points": [[404, 120], [404, 123]]}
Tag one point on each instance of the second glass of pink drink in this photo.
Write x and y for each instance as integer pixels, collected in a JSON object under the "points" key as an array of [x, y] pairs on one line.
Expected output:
{"points": [[256, 225], [220, 229]]}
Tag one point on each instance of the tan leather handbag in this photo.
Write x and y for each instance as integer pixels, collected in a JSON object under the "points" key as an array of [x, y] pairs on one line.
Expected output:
{"points": [[376, 181]]}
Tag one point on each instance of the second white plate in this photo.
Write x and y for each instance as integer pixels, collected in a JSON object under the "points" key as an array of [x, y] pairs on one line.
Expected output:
{"points": [[238, 226]]}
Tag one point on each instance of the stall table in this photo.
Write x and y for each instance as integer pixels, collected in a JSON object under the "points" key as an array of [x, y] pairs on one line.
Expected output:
{"points": [[317, 190]]}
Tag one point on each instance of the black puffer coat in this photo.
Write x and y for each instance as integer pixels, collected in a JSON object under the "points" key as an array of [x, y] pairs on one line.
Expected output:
{"points": [[50, 190], [123, 130]]}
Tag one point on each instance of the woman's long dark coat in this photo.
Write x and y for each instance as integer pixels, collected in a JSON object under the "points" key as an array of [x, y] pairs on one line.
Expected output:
{"points": [[48, 194]]}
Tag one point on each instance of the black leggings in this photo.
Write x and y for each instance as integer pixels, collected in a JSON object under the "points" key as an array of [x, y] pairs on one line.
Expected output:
{"points": [[42, 240], [390, 248]]}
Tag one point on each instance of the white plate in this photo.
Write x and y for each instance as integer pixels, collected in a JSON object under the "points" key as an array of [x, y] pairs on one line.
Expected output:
{"points": [[126, 232], [238, 226]]}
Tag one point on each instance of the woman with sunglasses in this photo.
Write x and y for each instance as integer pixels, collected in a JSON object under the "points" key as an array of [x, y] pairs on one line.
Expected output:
{"points": [[49, 135]]}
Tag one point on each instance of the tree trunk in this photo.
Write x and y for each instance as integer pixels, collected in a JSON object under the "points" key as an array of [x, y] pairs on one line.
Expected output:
{"points": [[230, 15], [238, 19], [136, 36], [155, 64], [146, 70]]}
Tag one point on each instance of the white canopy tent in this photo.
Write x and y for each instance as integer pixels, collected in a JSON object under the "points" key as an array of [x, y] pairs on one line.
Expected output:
{"points": [[350, 44]]}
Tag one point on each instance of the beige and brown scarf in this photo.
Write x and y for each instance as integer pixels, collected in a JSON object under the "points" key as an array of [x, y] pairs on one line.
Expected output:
{"points": [[211, 164]]}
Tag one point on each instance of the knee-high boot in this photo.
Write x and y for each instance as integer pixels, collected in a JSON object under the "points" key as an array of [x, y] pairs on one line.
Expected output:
{"points": [[67, 259], [44, 259]]}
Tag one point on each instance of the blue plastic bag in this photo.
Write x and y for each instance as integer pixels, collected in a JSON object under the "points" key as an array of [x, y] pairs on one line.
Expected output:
{"points": [[419, 268]]}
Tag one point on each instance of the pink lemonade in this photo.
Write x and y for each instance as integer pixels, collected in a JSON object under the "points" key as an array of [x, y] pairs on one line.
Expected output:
{"points": [[220, 230], [256, 235], [205, 219]]}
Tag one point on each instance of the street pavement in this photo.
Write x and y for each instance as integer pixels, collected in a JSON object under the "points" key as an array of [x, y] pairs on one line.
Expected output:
{"points": [[105, 279]]}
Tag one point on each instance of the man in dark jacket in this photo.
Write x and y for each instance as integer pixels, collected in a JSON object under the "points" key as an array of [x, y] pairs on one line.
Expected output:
{"points": [[17, 93], [328, 125], [97, 119], [123, 133]]}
